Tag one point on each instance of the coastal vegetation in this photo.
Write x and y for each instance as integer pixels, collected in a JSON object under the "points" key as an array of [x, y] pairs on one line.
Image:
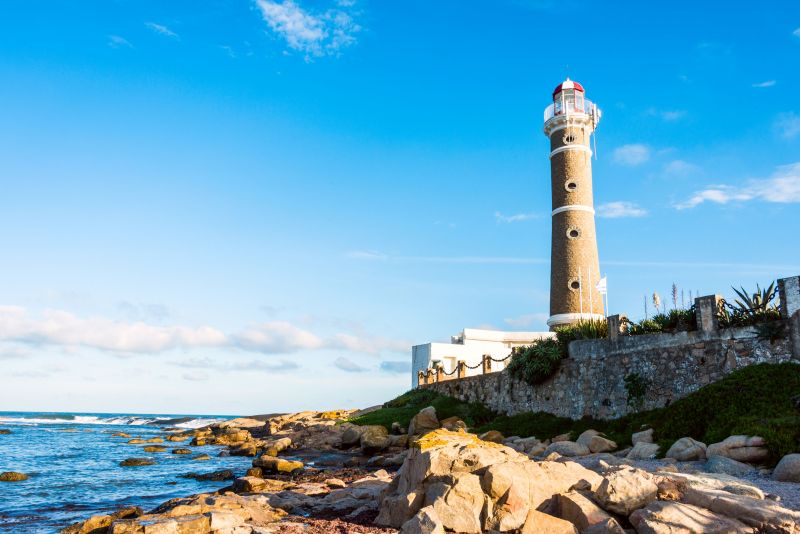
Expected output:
{"points": [[757, 400]]}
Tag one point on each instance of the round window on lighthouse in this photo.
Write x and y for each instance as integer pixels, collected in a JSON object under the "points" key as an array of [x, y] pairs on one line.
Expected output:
{"points": [[574, 284], [569, 139], [573, 232], [571, 186]]}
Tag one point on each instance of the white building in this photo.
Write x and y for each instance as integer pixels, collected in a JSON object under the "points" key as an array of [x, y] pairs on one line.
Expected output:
{"points": [[470, 346]]}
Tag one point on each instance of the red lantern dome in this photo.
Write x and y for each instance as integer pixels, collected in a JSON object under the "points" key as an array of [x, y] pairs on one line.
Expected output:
{"points": [[568, 84]]}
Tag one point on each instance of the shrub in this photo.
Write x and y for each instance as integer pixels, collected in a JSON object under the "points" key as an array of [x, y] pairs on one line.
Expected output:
{"points": [[676, 320], [537, 362], [591, 329], [750, 308]]}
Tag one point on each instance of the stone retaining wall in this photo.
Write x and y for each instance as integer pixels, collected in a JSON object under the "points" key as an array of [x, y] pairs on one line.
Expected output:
{"points": [[591, 381]]}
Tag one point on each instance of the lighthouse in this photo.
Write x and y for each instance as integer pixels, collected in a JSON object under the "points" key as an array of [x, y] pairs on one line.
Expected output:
{"points": [[574, 264]]}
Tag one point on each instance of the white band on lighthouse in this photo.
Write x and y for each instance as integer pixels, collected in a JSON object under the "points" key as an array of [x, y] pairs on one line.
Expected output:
{"points": [[566, 318], [574, 207], [564, 148]]}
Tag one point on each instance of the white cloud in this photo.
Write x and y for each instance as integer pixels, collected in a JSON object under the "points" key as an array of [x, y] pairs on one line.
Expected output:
{"points": [[161, 30], [276, 337], [767, 83], [527, 320], [348, 366], [796, 33], [195, 376], [680, 167], [782, 187], [499, 217], [315, 34], [115, 41], [787, 125], [396, 367], [619, 209], [632, 155]]}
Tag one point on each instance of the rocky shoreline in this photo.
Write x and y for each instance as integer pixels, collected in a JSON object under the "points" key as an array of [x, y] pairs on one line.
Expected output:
{"points": [[314, 472]]}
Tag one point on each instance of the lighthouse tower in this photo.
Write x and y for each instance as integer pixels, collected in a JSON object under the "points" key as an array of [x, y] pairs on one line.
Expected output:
{"points": [[574, 265]]}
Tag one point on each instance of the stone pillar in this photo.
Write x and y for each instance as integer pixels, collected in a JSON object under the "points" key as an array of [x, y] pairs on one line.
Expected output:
{"points": [[429, 376], [462, 369], [615, 324], [789, 291], [794, 334], [420, 378], [487, 364], [439, 373], [706, 309]]}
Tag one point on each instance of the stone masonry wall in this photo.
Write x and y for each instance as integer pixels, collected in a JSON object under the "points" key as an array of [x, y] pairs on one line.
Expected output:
{"points": [[591, 381]]}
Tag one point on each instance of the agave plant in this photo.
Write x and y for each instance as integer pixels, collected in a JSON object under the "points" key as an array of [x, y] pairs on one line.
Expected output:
{"points": [[758, 301], [750, 308]]}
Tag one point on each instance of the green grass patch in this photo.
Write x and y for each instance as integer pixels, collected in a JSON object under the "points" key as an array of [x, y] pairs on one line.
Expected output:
{"points": [[757, 400]]}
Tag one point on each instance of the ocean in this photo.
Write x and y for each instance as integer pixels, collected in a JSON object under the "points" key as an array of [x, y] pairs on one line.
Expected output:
{"points": [[73, 463]]}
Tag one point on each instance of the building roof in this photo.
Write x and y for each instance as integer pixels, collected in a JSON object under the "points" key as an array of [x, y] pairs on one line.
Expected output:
{"points": [[477, 334], [568, 84]]}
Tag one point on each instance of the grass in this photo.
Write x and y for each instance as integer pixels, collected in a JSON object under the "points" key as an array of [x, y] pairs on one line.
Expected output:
{"points": [[757, 400]]}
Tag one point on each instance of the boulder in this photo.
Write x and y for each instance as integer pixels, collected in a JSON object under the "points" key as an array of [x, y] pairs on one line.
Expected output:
{"points": [[426, 521], [454, 424], [154, 448], [625, 489], [493, 436], [201, 457], [723, 464], [199, 441], [458, 500], [230, 436], [351, 436], [397, 429], [12, 476], [216, 476], [181, 451], [374, 438], [248, 484], [561, 437], [98, 524], [277, 446], [154, 440], [335, 483], [541, 523], [135, 462], [178, 437], [666, 517], [762, 515], [400, 441], [645, 436], [586, 436], [277, 465], [160, 524], [248, 448], [687, 449], [601, 444], [567, 448], [643, 451], [136, 441], [720, 481], [114, 435], [750, 449], [579, 510], [424, 422], [788, 469]]}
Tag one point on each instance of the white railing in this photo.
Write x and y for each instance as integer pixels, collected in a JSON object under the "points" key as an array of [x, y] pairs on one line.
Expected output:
{"points": [[588, 108]]}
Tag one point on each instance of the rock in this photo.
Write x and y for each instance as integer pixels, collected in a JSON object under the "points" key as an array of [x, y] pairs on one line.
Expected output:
{"points": [[625, 489], [374, 438], [160, 524], [114, 435], [540, 523], [335, 483], [397, 429], [561, 437], [567, 448], [275, 447], [199, 441], [601, 444], [763, 515], [426, 521], [153, 440], [135, 462], [492, 436], [247, 448], [136, 441], [400, 441], [217, 476], [201, 458], [586, 436], [12, 476], [181, 451], [643, 451], [458, 500], [351, 437], [687, 449], [98, 524], [230, 436], [665, 517], [277, 465], [723, 464], [249, 484], [645, 436], [453, 424], [788, 469], [422, 423], [154, 448], [177, 437], [751, 449], [579, 510]]}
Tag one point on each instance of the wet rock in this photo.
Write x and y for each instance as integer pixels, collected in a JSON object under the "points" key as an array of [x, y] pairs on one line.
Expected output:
{"points": [[136, 441], [244, 449], [788, 469], [664, 517], [154, 440], [4, 431], [199, 441], [178, 437], [136, 462], [12, 476], [687, 449], [750, 449], [98, 524], [201, 458], [114, 435], [154, 448], [181, 451], [643, 451], [216, 476], [422, 423], [625, 489]]}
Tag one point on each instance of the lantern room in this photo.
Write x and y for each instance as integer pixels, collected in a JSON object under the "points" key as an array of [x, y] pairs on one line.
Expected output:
{"points": [[568, 98]]}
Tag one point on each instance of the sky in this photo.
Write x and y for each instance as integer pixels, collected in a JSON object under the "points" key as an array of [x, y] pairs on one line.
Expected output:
{"points": [[239, 207]]}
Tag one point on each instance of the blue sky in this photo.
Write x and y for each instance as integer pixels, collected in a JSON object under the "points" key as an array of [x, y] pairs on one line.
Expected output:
{"points": [[254, 206]]}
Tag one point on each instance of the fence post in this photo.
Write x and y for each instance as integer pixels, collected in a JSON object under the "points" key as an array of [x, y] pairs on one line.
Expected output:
{"points": [[615, 323], [439, 373], [707, 308], [420, 378], [789, 292], [487, 364], [462, 369], [429, 376]]}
